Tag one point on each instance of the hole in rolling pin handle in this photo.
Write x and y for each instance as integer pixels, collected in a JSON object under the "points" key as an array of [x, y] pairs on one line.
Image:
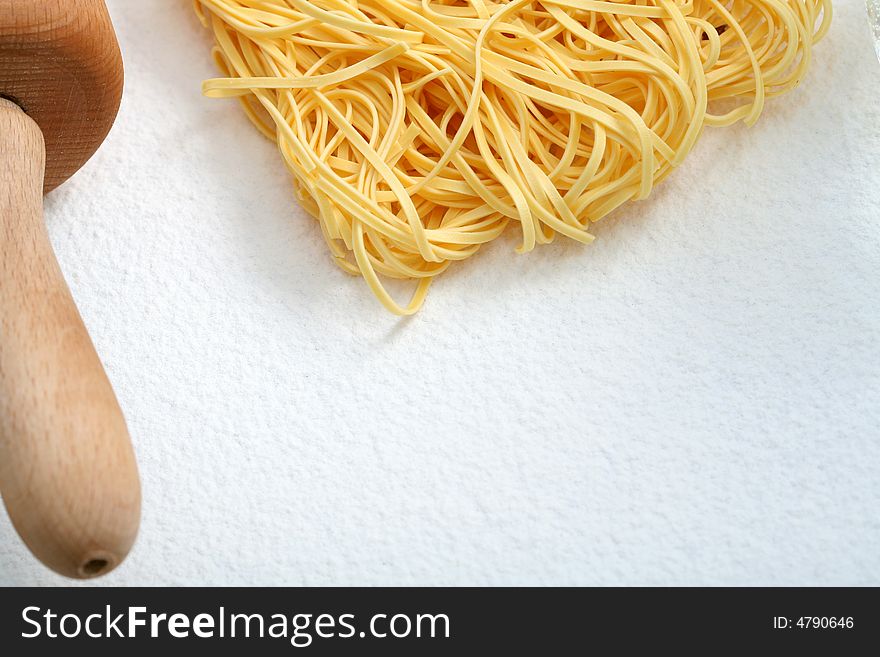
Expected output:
{"points": [[96, 563], [94, 567]]}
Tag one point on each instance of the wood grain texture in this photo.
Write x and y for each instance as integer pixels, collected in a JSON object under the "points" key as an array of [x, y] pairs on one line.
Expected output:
{"points": [[60, 61], [67, 470]]}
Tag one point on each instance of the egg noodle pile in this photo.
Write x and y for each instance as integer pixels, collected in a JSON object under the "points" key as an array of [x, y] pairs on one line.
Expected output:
{"points": [[418, 130]]}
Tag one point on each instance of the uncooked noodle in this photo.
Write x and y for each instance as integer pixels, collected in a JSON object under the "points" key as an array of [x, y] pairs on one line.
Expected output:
{"points": [[419, 130]]}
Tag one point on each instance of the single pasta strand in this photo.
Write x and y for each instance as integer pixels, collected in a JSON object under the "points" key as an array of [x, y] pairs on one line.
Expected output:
{"points": [[418, 130]]}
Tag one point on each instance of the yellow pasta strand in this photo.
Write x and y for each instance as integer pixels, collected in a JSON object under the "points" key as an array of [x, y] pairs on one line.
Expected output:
{"points": [[418, 130]]}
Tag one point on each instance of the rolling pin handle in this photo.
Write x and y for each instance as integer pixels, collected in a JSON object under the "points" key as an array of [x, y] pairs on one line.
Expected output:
{"points": [[67, 469]]}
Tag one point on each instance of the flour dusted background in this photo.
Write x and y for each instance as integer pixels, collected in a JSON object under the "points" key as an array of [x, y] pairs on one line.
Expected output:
{"points": [[693, 399]]}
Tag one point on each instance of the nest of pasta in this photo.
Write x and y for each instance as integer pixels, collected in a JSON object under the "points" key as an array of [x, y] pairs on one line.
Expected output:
{"points": [[419, 130]]}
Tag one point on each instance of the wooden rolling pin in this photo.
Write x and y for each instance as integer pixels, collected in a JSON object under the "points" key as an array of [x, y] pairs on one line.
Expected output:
{"points": [[68, 475]]}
